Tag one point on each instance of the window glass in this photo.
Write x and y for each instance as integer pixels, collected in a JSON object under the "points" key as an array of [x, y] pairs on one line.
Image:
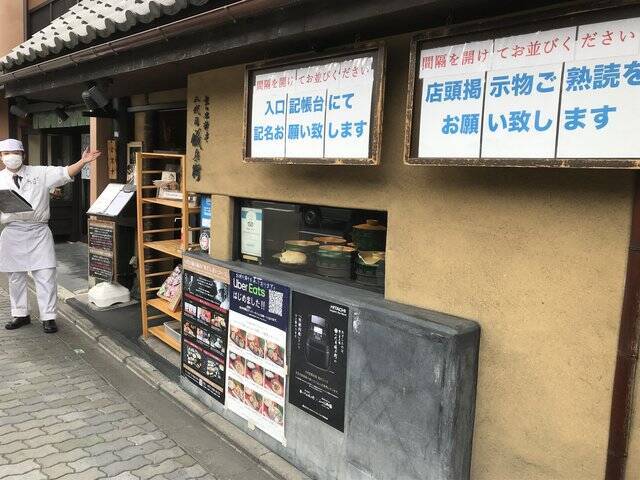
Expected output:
{"points": [[338, 244], [38, 19]]}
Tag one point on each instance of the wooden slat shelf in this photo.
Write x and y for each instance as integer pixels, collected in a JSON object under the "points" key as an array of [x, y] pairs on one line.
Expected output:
{"points": [[169, 203], [155, 308], [170, 247], [161, 156], [162, 335], [163, 306]]}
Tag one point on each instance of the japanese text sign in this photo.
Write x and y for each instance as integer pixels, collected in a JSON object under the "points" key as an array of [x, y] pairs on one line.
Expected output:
{"points": [[322, 111], [566, 93]]}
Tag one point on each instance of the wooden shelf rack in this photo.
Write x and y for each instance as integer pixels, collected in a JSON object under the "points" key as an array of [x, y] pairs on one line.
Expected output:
{"points": [[153, 269]]}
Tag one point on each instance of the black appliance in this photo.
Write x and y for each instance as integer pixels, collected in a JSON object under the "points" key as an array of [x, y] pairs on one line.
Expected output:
{"points": [[317, 346]]}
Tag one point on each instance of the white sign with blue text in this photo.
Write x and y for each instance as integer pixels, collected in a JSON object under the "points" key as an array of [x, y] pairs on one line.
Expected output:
{"points": [[318, 110], [565, 93]]}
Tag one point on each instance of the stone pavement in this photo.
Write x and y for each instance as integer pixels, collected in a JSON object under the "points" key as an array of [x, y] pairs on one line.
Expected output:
{"points": [[68, 410]]}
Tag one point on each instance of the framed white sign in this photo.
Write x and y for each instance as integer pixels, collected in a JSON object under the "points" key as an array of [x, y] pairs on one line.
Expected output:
{"points": [[549, 98], [325, 110]]}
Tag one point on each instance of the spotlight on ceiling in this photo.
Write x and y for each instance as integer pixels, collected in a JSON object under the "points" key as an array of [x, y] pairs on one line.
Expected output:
{"points": [[62, 115], [94, 98]]}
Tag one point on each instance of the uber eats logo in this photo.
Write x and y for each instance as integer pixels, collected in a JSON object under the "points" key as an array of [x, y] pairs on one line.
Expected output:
{"points": [[250, 288]]}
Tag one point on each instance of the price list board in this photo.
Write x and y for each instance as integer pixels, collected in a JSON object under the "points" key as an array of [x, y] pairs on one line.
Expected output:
{"points": [[102, 248]]}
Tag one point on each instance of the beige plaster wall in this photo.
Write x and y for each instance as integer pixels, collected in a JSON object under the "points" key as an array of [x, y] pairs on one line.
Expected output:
{"points": [[537, 257], [12, 20]]}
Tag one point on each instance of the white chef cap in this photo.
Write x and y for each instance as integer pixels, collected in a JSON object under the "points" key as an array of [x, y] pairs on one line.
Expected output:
{"points": [[11, 145]]}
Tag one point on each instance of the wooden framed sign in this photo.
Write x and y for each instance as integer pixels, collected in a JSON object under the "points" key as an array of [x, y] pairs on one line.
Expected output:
{"points": [[565, 96], [325, 110]]}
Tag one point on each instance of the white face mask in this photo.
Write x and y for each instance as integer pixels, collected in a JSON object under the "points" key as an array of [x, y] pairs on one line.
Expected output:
{"points": [[12, 160]]}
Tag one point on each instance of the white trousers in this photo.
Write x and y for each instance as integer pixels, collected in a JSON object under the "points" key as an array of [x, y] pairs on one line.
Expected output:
{"points": [[46, 292]]}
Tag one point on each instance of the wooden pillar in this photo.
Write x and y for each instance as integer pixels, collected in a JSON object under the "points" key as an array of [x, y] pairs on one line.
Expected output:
{"points": [[100, 132], [4, 118], [221, 227]]}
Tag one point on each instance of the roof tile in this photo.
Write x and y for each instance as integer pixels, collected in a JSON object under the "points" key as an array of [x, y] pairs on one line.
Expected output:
{"points": [[88, 20]]}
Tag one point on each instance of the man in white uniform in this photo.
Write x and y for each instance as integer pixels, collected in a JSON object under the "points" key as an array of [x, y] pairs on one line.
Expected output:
{"points": [[26, 243]]}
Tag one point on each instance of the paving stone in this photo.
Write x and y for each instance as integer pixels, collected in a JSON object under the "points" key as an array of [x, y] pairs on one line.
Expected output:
{"points": [[31, 453], [38, 423], [150, 471], [53, 412], [124, 433], [12, 447], [113, 446], [57, 471], [65, 426], [119, 407], [32, 475], [49, 439], [135, 450], [125, 466], [91, 474], [18, 468], [124, 476], [147, 437], [70, 417], [15, 419], [92, 430], [64, 457], [22, 435], [110, 417], [74, 443], [93, 461]]}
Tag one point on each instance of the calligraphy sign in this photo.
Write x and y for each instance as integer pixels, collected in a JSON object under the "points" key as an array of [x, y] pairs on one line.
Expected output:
{"points": [[564, 97], [325, 110]]}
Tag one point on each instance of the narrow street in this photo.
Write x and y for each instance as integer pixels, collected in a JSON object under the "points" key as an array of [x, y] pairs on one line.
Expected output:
{"points": [[70, 411]]}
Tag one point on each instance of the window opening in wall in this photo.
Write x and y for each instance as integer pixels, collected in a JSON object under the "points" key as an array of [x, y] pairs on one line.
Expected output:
{"points": [[342, 245], [46, 13]]}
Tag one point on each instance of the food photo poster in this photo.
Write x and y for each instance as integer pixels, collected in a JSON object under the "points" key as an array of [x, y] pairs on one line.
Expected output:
{"points": [[257, 352], [205, 320]]}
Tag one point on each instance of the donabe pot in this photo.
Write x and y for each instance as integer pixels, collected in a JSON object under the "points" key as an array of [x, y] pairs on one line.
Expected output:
{"points": [[370, 236]]}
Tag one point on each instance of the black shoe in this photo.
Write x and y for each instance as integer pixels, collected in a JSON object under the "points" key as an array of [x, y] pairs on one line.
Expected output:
{"points": [[18, 322], [49, 326]]}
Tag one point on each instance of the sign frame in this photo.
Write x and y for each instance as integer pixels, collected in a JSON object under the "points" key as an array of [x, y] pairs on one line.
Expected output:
{"points": [[377, 49], [517, 24]]}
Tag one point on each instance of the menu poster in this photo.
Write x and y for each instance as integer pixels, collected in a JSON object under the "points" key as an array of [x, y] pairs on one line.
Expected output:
{"points": [[101, 266], [205, 320], [101, 240], [319, 358], [256, 364], [101, 235]]}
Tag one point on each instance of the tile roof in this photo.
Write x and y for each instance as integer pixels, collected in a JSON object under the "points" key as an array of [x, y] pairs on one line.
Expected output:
{"points": [[88, 20]]}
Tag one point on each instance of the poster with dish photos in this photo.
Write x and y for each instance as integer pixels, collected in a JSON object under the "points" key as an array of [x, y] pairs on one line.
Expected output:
{"points": [[205, 318], [256, 363]]}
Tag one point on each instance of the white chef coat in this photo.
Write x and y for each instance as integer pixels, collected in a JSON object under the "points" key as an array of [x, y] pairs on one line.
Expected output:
{"points": [[26, 243]]}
